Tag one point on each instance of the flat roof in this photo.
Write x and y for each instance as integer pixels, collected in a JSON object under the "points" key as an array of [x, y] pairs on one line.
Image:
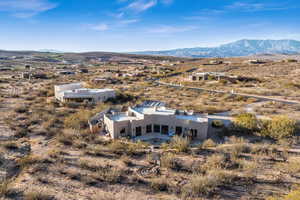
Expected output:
{"points": [[192, 118], [122, 117], [154, 111], [86, 90]]}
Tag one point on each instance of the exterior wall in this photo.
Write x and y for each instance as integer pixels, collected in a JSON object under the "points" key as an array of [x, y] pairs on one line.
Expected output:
{"points": [[109, 125]]}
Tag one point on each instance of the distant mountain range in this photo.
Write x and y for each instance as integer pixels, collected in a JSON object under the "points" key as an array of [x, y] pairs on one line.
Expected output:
{"points": [[50, 51], [234, 49]]}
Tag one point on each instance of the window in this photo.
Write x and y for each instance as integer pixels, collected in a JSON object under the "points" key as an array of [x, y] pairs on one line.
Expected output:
{"points": [[138, 131], [178, 130], [194, 133], [165, 130], [123, 132], [149, 128], [156, 128]]}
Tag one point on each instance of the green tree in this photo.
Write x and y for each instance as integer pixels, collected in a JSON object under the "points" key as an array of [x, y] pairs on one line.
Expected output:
{"points": [[279, 127], [246, 123]]}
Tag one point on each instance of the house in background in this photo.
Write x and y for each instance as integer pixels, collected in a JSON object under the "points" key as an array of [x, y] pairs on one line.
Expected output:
{"points": [[198, 76], [152, 118], [77, 93]]}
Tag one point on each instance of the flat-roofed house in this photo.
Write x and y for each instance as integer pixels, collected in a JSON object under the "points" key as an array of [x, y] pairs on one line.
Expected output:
{"points": [[154, 118], [198, 76], [76, 92]]}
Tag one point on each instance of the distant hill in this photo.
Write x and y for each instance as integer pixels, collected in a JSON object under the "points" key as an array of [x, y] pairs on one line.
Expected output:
{"points": [[88, 55], [234, 49]]}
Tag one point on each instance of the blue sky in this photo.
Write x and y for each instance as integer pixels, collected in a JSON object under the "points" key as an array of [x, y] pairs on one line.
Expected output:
{"points": [[134, 25]]}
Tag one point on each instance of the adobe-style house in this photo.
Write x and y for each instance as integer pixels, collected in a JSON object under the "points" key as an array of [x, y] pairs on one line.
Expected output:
{"points": [[154, 118], [77, 93], [198, 76]]}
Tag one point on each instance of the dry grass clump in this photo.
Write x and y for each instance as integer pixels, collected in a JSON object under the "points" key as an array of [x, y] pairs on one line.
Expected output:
{"points": [[168, 160], [235, 150], [209, 143], [21, 109], [27, 161], [38, 195], [4, 188], [159, 184], [215, 161], [128, 148], [117, 147], [10, 145], [291, 167], [126, 160], [180, 144], [68, 136], [205, 184], [108, 174], [78, 120]]}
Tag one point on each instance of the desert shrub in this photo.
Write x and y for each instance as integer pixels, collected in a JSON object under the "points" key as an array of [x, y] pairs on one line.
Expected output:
{"points": [[122, 98], [168, 160], [4, 188], [217, 124], [165, 146], [126, 160], [292, 167], [180, 144], [215, 161], [38, 195], [27, 161], [109, 174], [117, 147], [72, 105], [21, 109], [204, 185], [293, 195], [279, 127], [78, 120], [68, 136], [21, 132], [246, 123], [10, 145], [159, 184], [209, 143]]}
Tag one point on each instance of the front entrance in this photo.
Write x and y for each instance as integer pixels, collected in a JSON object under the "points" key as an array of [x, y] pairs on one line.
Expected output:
{"points": [[138, 131]]}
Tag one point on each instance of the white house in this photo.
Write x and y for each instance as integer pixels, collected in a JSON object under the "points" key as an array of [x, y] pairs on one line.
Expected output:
{"points": [[76, 92]]}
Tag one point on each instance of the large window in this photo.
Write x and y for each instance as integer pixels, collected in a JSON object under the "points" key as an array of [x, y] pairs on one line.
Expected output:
{"points": [[149, 128], [138, 131], [194, 133], [156, 128], [165, 130], [178, 130], [123, 132]]}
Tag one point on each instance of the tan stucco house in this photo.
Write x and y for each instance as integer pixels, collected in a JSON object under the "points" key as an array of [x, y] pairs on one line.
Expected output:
{"points": [[153, 117]]}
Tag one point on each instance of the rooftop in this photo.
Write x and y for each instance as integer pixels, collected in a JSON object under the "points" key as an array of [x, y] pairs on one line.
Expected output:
{"points": [[87, 90], [122, 117], [147, 109], [154, 110]]}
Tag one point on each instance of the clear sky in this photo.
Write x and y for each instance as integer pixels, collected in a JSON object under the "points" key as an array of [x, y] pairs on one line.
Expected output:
{"points": [[134, 25]]}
